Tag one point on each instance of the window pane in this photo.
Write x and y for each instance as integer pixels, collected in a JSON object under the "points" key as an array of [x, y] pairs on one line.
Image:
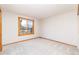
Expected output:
{"points": [[23, 26], [30, 24]]}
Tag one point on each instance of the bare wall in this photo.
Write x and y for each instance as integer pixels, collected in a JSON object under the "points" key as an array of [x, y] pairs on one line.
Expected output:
{"points": [[10, 28], [62, 27]]}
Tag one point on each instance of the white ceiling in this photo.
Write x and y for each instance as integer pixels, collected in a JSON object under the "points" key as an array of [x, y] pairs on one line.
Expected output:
{"points": [[38, 10]]}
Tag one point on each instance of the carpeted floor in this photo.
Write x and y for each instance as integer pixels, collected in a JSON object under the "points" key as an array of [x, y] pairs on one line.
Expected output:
{"points": [[39, 46]]}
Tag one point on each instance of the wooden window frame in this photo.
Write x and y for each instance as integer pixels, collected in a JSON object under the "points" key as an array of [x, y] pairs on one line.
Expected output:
{"points": [[27, 25]]}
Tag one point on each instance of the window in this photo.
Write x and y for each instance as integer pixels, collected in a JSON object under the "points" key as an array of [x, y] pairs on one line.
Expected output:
{"points": [[25, 26]]}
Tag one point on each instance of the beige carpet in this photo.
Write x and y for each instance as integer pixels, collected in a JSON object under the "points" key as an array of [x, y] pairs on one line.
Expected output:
{"points": [[39, 47]]}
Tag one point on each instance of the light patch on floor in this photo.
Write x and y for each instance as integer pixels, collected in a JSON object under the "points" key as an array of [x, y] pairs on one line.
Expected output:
{"points": [[39, 46]]}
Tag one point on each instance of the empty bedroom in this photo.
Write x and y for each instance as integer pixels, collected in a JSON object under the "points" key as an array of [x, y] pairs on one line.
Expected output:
{"points": [[39, 29]]}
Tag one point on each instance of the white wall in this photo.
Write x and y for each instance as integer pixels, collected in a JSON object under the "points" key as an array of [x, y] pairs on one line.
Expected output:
{"points": [[10, 28], [62, 27]]}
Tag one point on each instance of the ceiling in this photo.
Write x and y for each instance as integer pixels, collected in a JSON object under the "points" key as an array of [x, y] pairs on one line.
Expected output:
{"points": [[38, 10]]}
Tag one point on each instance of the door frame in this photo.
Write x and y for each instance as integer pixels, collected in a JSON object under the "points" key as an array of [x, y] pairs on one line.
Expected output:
{"points": [[0, 30]]}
